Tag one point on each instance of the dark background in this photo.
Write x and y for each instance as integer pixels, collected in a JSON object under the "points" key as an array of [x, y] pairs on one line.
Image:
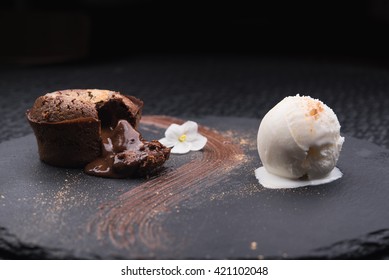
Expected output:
{"points": [[46, 31]]}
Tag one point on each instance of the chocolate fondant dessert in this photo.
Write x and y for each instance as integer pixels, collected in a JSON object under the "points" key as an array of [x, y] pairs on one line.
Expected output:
{"points": [[95, 127]]}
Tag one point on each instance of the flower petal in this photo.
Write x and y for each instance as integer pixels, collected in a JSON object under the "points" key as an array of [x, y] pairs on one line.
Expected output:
{"points": [[181, 148], [190, 129], [168, 142], [198, 143], [174, 131]]}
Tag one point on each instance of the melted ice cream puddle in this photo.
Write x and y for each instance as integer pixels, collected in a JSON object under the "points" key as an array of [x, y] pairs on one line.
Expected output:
{"points": [[272, 181]]}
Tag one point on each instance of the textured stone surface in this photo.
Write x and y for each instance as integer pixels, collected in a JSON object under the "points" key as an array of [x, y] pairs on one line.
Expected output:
{"points": [[48, 212], [220, 86]]}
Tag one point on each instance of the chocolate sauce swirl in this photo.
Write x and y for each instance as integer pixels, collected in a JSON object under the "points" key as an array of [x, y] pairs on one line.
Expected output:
{"points": [[138, 215]]}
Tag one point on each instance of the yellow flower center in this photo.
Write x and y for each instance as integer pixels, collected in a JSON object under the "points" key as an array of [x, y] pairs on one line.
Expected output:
{"points": [[182, 138]]}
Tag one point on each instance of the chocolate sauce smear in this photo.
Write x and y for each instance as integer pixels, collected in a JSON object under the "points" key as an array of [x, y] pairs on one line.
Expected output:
{"points": [[138, 215], [126, 154]]}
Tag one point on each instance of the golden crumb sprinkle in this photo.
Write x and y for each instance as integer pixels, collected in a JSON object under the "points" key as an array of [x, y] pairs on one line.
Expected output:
{"points": [[314, 108]]}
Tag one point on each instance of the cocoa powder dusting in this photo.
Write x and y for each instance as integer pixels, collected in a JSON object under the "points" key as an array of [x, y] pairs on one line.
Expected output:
{"points": [[139, 214]]}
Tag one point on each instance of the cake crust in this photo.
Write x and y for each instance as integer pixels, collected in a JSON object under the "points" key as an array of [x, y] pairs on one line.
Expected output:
{"points": [[71, 143], [73, 104]]}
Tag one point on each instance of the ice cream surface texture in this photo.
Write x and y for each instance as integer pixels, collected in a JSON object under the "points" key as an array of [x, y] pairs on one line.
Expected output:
{"points": [[299, 144]]}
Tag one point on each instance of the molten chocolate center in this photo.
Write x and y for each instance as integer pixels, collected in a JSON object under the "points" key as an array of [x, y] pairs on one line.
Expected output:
{"points": [[124, 153], [115, 141]]}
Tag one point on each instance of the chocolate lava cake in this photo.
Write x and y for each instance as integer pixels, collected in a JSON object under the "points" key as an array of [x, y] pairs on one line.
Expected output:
{"points": [[97, 128]]}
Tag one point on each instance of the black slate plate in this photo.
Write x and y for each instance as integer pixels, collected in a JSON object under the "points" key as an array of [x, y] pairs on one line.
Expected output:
{"points": [[48, 212]]}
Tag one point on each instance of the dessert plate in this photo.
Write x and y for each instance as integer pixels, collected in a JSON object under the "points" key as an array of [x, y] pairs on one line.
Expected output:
{"points": [[205, 204]]}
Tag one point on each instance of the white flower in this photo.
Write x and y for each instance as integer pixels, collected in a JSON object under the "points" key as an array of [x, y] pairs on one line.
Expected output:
{"points": [[183, 138]]}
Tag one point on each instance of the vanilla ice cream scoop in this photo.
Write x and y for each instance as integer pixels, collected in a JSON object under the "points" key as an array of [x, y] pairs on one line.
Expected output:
{"points": [[299, 139]]}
